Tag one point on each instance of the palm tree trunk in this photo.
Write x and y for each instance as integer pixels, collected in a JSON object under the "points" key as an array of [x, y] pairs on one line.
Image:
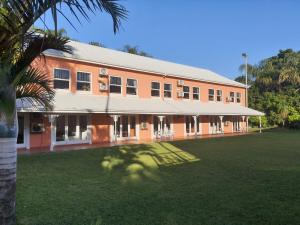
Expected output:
{"points": [[8, 159]]}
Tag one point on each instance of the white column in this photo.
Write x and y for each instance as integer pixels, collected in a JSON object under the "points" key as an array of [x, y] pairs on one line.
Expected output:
{"points": [[52, 119], [161, 118], [259, 124], [195, 125], [115, 118], [222, 125], [128, 125], [66, 128], [243, 118], [77, 127], [26, 131], [89, 128], [247, 124]]}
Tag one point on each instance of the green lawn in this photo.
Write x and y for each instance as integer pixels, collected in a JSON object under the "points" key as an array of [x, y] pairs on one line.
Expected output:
{"points": [[252, 179]]}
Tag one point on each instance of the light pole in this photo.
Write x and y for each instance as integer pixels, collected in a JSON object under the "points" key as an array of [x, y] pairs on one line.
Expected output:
{"points": [[245, 56]]}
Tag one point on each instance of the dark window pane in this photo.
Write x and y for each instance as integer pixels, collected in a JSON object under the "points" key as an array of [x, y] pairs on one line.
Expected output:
{"points": [[61, 74], [155, 93], [195, 90], [167, 94], [115, 89], [61, 84], [196, 96], [131, 91], [131, 82], [167, 87], [155, 85], [186, 89], [115, 80], [83, 86], [211, 92], [83, 76], [186, 95]]}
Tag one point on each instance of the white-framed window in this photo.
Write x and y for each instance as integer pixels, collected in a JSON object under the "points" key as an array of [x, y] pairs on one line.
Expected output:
{"points": [[196, 93], [131, 87], [211, 94], [238, 97], [83, 81], [61, 79], [219, 95], [115, 85], [155, 89], [231, 96], [168, 90], [186, 92]]}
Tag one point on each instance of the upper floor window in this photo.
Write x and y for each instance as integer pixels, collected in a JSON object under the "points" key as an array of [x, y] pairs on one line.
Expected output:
{"points": [[196, 93], [83, 81], [155, 89], [61, 79], [219, 95], [115, 85], [186, 92], [238, 97], [167, 90], [211, 94], [231, 96], [131, 87]]}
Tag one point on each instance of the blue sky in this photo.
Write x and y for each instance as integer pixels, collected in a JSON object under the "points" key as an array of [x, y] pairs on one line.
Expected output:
{"points": [[210, 34]]}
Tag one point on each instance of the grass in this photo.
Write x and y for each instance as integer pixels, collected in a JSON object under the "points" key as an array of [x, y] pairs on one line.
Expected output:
{"points": [[252, 179]]}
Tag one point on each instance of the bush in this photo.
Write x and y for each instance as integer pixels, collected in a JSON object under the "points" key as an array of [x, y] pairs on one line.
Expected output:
{"points": [[254, 121]]}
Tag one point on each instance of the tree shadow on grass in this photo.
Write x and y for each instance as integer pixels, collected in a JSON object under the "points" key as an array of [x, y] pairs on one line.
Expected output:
{"points": [[139, 162]]}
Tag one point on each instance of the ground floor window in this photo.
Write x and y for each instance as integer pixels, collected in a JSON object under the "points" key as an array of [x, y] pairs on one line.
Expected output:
{"points": [[125, 127], [236, 124], [71, 128], [215, 126], [192, 126], [162, 125]]}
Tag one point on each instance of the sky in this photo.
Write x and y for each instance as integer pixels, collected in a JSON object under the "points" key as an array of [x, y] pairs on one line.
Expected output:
{"points": [[210, 34]]}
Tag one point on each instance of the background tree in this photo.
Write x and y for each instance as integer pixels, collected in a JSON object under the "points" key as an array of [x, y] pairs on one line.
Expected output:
{"points": [[96, 43], [19, 46], [135, 50], [275, 85]]}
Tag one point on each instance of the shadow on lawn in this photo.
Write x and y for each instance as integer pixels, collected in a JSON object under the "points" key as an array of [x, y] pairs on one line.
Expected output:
{"points": [[142, 161]]}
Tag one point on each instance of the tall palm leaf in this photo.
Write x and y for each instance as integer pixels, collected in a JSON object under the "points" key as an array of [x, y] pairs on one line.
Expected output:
{"points": [[19, 46]]}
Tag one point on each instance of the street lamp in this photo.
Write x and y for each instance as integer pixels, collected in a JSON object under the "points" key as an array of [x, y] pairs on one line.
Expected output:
{"points": [[245, 56]]}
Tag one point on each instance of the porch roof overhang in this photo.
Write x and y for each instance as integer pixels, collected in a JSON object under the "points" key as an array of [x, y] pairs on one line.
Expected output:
{"points": [[87, 103]]}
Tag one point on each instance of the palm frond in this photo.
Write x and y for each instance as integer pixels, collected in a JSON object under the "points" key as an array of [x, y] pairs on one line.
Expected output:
{"points": [[35, 87]]}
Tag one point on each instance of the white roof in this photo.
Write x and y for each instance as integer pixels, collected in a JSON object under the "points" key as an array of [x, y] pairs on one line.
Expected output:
{"points": [[79, 103], [109, 57]]}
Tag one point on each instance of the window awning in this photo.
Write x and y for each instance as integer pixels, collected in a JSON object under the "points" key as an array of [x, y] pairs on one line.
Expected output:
{"points": [[85, 103]]}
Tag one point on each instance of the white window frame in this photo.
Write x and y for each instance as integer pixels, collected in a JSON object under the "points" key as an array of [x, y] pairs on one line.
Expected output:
{"points": [[58, 89], [168, 90], [232, 98], [217, 95], [211, 95], [184, 92], [136, 87], [82, 91], [240, 97], [155, 89], [196, 93], [114, 93]]}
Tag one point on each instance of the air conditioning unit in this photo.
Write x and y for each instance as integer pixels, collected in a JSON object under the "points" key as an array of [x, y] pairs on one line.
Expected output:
{"points": [[103, 72], [180, 82], [103, 87], [143, 126], [180, 94]]}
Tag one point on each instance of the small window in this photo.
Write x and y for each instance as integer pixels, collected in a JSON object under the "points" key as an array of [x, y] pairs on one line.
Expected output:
{"points": [[83, 81], [155, 89], [131, 87], [238, 97], [211, 94], [186, 92], [115, 85], [231, 96], [61, 79], [196, 93], [167, 90], [219, 95]]}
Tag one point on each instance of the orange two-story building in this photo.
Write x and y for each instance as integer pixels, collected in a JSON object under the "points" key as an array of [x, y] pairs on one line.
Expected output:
{"points": [[103, 95]]}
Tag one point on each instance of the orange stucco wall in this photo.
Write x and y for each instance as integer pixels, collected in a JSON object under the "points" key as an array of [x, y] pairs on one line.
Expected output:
{"points": [[100, 124], [41, 140]]}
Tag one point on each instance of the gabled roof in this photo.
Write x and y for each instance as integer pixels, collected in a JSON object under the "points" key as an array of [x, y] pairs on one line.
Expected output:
{"points": [[78, 103], [109, 57]]}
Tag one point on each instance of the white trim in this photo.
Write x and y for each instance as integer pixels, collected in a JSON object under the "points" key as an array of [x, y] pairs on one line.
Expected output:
{"points": [[136, 87], [210, 95], [155, 81], [184, 92], [168, 91], [70, 78], [199, 91], [114, 93], [91, 83]]}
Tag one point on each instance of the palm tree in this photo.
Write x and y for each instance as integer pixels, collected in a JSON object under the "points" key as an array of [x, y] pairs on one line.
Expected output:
{"points": [[19, 46], [134, 50]]}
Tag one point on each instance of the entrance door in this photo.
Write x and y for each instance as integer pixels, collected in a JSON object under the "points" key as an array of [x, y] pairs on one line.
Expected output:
{"points": [[21, 133]]}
